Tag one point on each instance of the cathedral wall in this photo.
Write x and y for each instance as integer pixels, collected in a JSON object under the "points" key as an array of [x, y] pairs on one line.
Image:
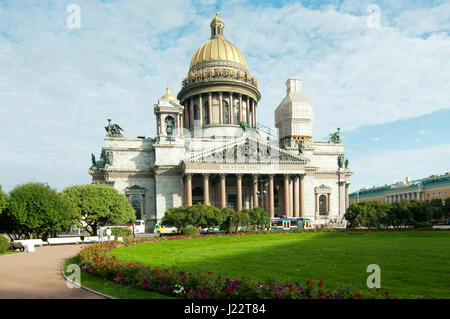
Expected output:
{"points": [[169, 193]]}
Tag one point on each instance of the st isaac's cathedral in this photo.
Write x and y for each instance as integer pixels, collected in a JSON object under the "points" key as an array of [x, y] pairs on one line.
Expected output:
{"points": [[210, 148]]}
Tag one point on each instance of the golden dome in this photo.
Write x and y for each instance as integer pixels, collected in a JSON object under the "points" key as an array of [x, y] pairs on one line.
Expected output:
{"points": [[218, 48]]}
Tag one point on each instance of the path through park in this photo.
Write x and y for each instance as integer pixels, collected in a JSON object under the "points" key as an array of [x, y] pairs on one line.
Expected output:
{"points": [[38, 274]]}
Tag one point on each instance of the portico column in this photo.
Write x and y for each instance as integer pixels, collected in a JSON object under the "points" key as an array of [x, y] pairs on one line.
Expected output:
{"points": [[301, 199], [255, 190], [209, 108], [189, 189], [296, 197], [346, 195], [200, 109], [238, 192], [271, 198], [220, 108], [206, 189], [161, 126], [254, 109], [222, 191], [286, 195]]}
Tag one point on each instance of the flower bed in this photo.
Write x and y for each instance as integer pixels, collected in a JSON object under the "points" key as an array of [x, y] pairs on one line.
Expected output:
{"points": [[174, 282]]}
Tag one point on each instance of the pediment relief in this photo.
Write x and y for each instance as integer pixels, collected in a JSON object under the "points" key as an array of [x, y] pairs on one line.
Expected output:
{"points": [[246, 150]]}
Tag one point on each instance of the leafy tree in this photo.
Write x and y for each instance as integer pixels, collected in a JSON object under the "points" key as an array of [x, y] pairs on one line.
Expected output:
{"points": [[401, 215], [35, 210], [97, 205], [3, 201], [421, 211], [204, 216], [259, 218], [447, 208], [176, 217], [371, 214], [437, 208]]}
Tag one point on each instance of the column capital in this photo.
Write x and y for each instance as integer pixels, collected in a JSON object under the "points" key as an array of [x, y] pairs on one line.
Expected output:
{"points": [[188, 175], [239, 175], [286, 176], [255, 177], [223, 175], [206, 175]]}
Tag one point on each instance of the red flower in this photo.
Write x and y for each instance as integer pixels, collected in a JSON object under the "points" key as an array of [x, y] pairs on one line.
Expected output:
{"points": [[387, 293], [309, 281], [229, 289], [117, 265], [159, 277], [320, 283], [210, 272], [358, 295]]}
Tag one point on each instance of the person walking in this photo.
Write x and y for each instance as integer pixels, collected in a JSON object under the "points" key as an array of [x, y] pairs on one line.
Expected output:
{"points": [[101, 233], [108, 233]]}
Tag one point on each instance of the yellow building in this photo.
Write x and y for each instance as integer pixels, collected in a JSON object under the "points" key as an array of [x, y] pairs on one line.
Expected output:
{"points": [[433, 187]]}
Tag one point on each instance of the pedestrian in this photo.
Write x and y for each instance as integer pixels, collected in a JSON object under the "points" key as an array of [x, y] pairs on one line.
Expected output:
{"points": [[108, 233], [101, 233]]}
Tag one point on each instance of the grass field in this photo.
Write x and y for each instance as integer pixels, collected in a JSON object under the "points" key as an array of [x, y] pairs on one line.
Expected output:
{"points": [[412, 263]]}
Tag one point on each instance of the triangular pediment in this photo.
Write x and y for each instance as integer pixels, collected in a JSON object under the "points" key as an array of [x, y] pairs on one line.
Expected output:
{"points": [[246, 150]]}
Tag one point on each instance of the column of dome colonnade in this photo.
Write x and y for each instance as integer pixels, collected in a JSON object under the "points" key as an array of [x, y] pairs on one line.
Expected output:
{"points": [[199, 110], [260, 193]]}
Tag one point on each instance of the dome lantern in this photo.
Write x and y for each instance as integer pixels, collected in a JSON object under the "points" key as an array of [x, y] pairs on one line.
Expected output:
{"points": [[217, 26]]}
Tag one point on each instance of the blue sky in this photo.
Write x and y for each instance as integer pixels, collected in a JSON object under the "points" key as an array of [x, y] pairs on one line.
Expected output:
{"points": [[386, 86]]}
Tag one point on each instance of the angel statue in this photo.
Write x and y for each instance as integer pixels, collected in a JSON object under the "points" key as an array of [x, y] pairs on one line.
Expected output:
{"points": [[341, 161], [301, 147], [113, 130], [346, 163], [336, 137]]}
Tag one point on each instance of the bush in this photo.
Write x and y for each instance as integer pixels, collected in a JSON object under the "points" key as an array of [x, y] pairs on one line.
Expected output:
{"points": [[4, 244], [423, 225], [121, 232], [190, 231]]}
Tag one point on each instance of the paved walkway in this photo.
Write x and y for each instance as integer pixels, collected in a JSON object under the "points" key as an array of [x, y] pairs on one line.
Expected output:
{"points": [[38, 275]]}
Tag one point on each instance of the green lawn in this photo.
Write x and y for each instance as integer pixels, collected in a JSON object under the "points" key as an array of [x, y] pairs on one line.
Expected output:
{"points": [[411, 262], [111, 288]]}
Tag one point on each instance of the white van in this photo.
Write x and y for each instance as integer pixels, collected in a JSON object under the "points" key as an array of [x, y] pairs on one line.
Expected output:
{"points": [[139, 226]]}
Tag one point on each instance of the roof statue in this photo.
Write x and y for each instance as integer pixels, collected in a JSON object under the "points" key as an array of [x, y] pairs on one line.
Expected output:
{"points": [[346, 163], [341, 161], [336, 137], [113, 130], [301, 147]]}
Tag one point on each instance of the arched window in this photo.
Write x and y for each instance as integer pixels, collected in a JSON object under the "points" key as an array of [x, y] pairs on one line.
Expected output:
{"points": [[170, 125], [206, 113], [137, 205], [225, 112], [323, 205]]}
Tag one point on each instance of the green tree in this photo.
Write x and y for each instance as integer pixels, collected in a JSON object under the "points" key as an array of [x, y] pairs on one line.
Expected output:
{"points": [[371, 214], [3, 201], [204, 216], [176, 217], [401, 215], [97, 205], [421, 211], [437, 208], [35, 210], [447, 208], [259, 218]]}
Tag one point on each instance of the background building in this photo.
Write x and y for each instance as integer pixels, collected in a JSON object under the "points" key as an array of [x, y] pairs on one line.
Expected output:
{"points": [[433, 187], [210, 148]]}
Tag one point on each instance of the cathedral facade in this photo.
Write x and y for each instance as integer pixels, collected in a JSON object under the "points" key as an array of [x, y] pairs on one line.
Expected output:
{"points": [[209, 148]]}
